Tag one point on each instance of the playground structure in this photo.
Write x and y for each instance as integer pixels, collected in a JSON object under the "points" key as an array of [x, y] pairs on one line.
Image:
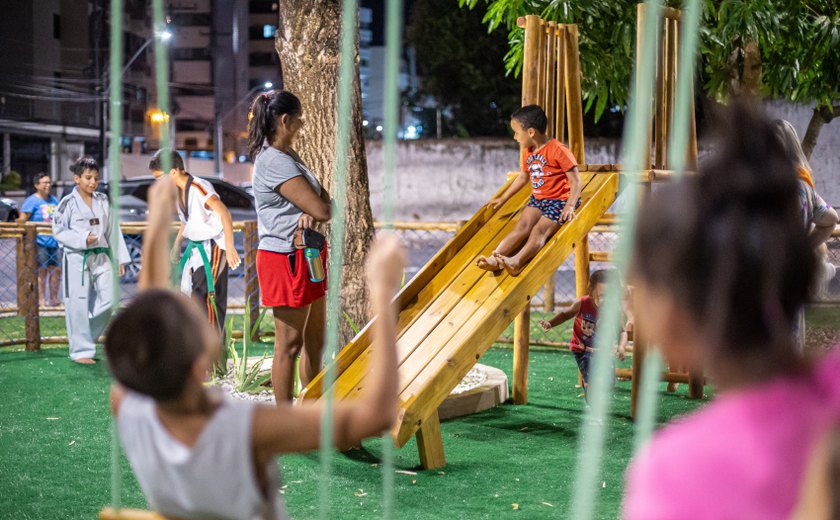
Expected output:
{"points": [[452, 312]]}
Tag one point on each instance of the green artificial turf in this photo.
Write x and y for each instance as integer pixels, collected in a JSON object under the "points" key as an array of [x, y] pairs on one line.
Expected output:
{"points": [[506, 462]]}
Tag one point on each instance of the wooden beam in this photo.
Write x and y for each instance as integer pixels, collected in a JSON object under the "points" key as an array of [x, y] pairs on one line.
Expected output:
{"points": [[641, 11], [531, 61], [574, 102], [560, 84], [521, 346], [430, 443]]}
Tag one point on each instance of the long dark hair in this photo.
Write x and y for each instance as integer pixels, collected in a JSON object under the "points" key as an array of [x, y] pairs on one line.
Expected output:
{"points": [[265, 109], [729, 246]]}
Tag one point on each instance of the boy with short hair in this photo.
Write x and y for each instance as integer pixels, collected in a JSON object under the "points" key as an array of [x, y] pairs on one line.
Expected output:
{"points": [[552, 171], [207, 225]]}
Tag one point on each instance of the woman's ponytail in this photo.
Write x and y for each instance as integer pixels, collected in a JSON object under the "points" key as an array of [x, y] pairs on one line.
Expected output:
{"points": [[265, 109]]}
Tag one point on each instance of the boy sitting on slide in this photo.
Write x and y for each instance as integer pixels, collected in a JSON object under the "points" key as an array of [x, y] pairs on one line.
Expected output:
{"points": [[552, 171]]}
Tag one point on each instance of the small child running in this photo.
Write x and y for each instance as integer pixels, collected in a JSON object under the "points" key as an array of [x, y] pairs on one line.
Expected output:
{"points": [[585, 312], [555, 180], [195, 453]]}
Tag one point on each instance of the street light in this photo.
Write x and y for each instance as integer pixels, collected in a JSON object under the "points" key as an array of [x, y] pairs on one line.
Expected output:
{"points": [[217, 142], [164, 36]]}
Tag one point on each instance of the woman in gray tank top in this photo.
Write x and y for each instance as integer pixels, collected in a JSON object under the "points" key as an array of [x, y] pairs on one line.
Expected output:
{"points": [[289, 199]]}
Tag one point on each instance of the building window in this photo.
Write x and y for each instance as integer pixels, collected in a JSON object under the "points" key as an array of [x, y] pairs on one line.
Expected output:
{"points": [[262, 6], [191, 53], [56, 26], [262, 59], [262, 32], [192, 19]]}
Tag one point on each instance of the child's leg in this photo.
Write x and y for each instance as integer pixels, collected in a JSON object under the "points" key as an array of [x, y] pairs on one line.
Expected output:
{"points": [[77, 310], [289, 324], [529, 218], [541, 232], [313, 341], [583, 359], [101, 294]]}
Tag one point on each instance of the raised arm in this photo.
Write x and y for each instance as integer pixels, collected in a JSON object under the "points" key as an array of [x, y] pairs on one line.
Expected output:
{"points": [[288, 428], [564, 315], [155, 257]]}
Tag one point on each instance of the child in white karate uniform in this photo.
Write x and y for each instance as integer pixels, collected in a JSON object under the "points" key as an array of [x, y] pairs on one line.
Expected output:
{"points": [[82, 226]]}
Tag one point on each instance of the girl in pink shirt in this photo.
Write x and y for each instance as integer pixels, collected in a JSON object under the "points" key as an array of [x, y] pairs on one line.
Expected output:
{"points": [[720, 267]]}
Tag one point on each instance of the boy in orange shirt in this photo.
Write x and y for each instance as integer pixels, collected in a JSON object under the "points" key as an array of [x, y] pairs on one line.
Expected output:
{"points": [[555, 180]]}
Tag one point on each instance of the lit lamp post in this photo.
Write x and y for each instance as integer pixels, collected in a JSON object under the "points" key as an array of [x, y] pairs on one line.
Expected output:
{"points": [[164, 36], [218, 147]]}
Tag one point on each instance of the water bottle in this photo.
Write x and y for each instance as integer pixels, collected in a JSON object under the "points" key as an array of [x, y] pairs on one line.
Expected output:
{"points": [[313, 262]]}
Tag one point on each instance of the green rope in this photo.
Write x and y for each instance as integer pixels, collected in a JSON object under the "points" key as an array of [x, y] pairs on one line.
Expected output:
{"points": [[162, 81], [115, 98], [347, 70], [393, 44], [637, 129], [689, 28]]}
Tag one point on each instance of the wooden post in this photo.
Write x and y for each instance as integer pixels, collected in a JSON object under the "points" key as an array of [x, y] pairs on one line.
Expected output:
{"points": [[660, 111], [672, 28], [574, 102], [531, 61], [550, 77], [548, 294], [521, 345], [252, 284], [430, 443], [21, 275], [542, 56], [560, 85], [28, 263], [581, 277], [641, 11]]}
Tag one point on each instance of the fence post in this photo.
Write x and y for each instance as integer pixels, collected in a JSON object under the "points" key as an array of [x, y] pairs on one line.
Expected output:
{"points": [[252, 284], [20, 273], [27, 267]]}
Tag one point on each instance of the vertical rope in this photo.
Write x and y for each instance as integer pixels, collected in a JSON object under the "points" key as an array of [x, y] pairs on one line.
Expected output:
{"points": [[347, 69], [115, 98], [689, 28], [162, 80], [393, 43], [637, 130]]}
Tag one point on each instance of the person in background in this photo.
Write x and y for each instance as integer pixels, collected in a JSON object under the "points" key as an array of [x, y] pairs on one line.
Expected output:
{"points": [[40, 207]]}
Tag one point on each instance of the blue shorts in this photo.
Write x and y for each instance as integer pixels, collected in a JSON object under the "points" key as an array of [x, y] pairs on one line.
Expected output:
{"points": [[550, 208], [47, 257]]}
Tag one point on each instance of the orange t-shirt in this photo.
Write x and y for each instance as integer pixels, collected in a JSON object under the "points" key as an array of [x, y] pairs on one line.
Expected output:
{"points": [[547, 168]]}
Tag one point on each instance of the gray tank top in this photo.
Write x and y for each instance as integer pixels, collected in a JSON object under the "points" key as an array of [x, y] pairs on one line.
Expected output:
{"points": [[215, 478]]}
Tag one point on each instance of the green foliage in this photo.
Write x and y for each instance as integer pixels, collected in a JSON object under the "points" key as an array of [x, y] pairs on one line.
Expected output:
{"points": [[249, 379], [11, 181], [463, 68], [799, 43]]}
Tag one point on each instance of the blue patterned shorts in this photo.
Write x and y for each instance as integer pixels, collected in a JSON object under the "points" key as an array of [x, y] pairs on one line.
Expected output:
{"points": [[550, 208]]}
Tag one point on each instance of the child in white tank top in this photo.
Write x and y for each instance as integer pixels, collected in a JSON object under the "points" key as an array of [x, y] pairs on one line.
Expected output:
{"points": [[195, 454]]}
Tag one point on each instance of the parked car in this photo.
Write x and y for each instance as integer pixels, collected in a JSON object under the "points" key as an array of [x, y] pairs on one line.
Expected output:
{"points": [[8, 210], [134, 208]]}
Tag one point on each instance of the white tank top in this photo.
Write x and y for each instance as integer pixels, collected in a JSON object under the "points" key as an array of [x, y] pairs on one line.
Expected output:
{"points": [[215, 478]]}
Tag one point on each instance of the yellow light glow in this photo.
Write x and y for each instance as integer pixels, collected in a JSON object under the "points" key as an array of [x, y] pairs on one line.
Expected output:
{"points": [[159, 117]]}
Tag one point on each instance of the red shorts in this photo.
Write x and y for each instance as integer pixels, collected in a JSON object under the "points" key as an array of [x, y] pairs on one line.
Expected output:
{"points": [[282, 287]]}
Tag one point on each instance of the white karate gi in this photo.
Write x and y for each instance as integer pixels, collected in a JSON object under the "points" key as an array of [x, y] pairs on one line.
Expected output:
{"points": [[87, 289]]}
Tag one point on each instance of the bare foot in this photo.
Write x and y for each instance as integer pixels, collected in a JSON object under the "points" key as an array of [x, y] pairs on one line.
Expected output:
{"points": [[55, 303], [488, 263], [512, 268], [672, 387], [85, 361]]}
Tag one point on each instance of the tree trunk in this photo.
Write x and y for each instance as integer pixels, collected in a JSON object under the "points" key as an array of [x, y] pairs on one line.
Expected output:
{"points": [[821, 116], [308, 40]]}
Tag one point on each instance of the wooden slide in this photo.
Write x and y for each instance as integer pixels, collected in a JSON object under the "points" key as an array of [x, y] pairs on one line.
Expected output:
{"points": [[452, 311]]}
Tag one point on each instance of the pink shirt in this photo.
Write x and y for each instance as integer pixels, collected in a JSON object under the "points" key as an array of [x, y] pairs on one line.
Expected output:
{"points": [[742, 457]]}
